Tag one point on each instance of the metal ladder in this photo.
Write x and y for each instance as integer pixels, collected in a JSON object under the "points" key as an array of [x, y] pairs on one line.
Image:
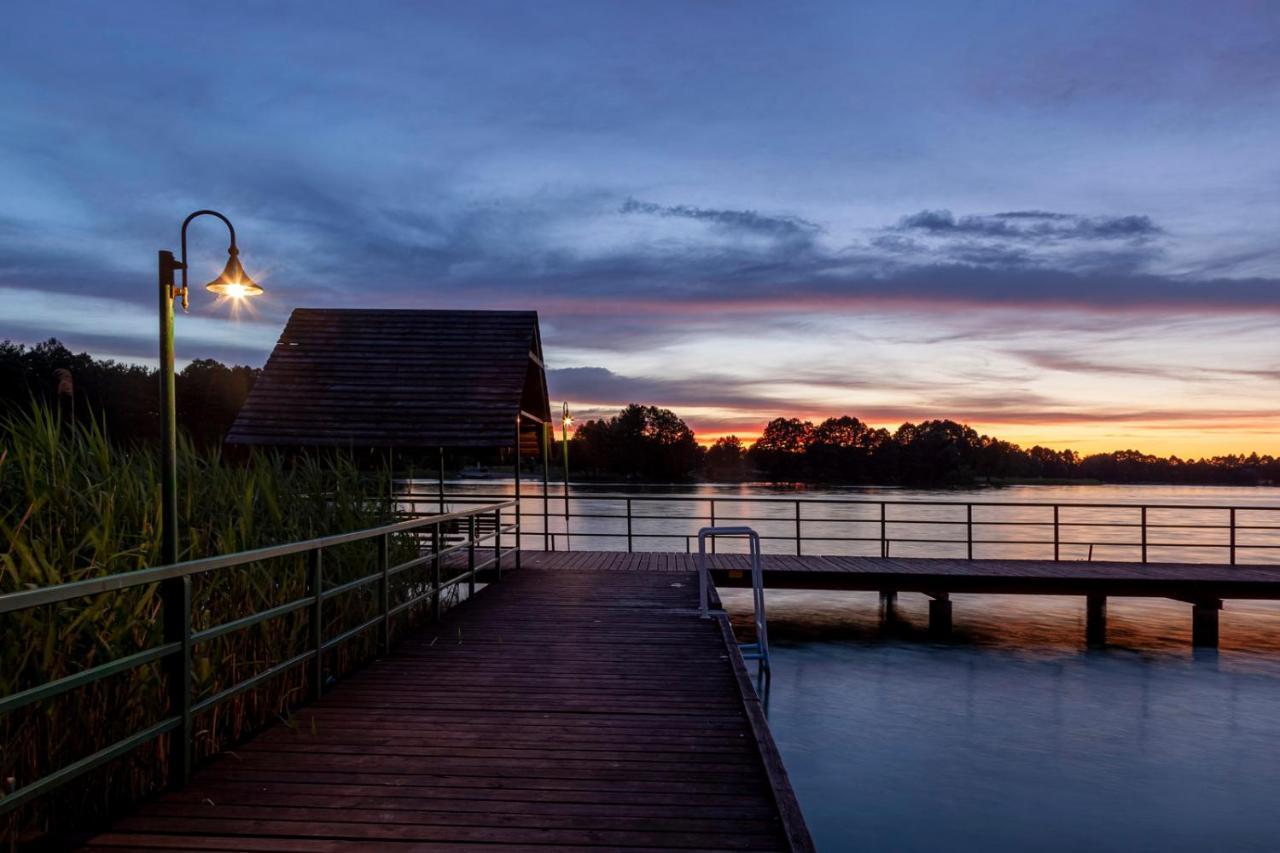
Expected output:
{"points": [[759, 650]]}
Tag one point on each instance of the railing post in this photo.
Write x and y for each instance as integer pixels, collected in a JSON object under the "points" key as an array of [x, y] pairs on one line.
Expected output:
{"points": [[315, 566], [884, 542], [1056, 540], [471, 556], [384, 592], [1233, 536], [175, 596], [628, 525], [968, 527], [1144, 534], [497, 543], [713, 524], [435, 572], [797, 528]]}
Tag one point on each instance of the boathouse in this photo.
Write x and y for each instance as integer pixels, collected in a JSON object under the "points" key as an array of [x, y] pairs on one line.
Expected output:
{"points": [[401, 379]]}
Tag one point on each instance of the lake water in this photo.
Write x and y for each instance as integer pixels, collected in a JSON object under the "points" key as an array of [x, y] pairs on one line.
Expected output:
{"points": [[1014, 737]]}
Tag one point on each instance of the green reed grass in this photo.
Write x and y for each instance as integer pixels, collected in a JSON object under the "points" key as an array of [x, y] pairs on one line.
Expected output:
{"points": [[73, 505]]}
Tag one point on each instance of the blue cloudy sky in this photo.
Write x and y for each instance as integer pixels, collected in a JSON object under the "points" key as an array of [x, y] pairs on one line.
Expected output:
{"points": [[1059, 222]]}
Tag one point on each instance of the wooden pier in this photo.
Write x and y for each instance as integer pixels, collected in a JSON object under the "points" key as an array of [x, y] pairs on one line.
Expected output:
{"points": [[565, 710], [1203, 586]]}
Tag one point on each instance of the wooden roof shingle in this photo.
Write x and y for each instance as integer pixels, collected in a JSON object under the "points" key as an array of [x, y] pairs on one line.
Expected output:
{"points": [[397, 378]]}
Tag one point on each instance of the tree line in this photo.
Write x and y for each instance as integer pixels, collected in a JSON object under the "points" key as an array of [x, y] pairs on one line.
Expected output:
{"points": [[123, 397], [649, 443], [640, 443]]}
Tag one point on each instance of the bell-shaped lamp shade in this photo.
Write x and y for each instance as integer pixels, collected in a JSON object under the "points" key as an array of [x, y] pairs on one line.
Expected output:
{"points": [[234, 281]]}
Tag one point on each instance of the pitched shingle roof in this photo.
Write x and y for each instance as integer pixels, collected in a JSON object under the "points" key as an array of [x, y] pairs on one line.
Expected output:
{"points": [[397, 378]]}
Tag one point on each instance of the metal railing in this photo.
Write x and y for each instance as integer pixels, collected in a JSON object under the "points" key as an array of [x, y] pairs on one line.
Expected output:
{"points": [[483, 526], [806, 524]]}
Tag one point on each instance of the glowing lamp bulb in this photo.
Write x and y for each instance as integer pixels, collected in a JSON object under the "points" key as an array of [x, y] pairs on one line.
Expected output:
{"points": [[234, 281]]}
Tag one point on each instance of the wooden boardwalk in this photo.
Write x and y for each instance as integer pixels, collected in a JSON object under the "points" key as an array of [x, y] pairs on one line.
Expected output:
{"points": [[1201, 585], [557, 710], [930, 575]]}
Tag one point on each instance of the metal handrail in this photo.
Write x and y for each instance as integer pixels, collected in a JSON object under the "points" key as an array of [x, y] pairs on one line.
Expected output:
{"points": [[1145, 522], [621, 496], [759, 650], [175, 650]]}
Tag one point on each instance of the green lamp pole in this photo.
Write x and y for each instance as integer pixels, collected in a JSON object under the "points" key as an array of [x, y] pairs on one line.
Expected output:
{"points": [[175, 593], [232, 284]]}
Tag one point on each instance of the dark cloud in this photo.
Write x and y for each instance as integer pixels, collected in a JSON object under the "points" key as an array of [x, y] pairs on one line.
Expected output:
{"points": [[598, 385], [788, 227], [1031, 225]]}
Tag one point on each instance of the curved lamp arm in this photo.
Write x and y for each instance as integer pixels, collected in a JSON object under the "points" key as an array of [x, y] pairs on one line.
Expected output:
{"points": [[182, 264]]}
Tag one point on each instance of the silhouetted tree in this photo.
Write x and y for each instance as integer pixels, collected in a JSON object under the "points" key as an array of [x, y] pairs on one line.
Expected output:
{"points": [[640, 442], [726, 459], [780, 450]]}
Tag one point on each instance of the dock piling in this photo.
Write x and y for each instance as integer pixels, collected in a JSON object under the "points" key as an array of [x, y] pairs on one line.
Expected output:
{"points": [[1204, 623], [940, 616], [1095, 620]]}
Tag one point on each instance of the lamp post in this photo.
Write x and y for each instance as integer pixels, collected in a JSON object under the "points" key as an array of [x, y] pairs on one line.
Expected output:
{"points": [[234, 283], [565, 420]]}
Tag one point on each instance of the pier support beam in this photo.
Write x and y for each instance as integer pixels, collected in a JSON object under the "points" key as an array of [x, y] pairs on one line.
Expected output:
{"points": [[940, 616], [1204, 623], [1095, 620], [888, 599]]}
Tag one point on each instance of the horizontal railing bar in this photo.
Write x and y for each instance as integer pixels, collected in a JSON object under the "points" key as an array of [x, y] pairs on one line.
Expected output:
{"points": [[24, 599], [252, 681], [348, 634], [583, 497], [348, 586], [85, 677], [253, 619], [90, 762]]}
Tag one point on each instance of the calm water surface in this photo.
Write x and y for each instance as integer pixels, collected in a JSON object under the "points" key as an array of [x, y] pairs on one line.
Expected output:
{"points": [[1014, 737]]}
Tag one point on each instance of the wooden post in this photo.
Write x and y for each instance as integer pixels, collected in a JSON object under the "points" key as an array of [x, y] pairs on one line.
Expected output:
{"points": [[1095, 620], [629, 550]]}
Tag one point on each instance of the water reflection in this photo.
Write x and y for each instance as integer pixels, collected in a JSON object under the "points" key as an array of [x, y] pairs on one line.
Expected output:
{"points": [[1015, 737]]}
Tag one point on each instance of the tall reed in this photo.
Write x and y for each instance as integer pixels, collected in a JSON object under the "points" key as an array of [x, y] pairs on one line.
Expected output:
{"points": [[73, 505]]}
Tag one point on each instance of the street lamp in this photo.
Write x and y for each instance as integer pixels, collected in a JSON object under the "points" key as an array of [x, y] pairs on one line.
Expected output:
{"points": [[565, 420], [233, 283]]}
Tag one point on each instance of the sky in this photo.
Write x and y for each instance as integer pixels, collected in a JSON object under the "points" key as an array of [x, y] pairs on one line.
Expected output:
{"points": [[1059, 223]]}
